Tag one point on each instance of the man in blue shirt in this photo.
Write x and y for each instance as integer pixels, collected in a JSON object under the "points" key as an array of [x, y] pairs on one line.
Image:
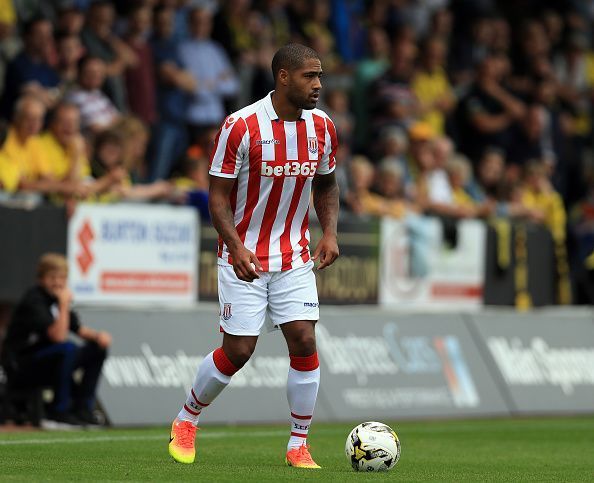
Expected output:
{"points": [[209, 64], [30, 71]]}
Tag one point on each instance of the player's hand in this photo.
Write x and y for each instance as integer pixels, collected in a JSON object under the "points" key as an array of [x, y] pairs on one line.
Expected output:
{"points": [[326, 251], [246, 265]]}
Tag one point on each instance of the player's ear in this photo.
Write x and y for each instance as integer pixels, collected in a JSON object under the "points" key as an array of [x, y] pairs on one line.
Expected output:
{"points": [[283, 76]]}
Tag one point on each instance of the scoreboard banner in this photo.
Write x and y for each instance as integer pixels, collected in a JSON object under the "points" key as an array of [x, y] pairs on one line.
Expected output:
{"points": [[429, 262], [545, 361], [133, 253]]}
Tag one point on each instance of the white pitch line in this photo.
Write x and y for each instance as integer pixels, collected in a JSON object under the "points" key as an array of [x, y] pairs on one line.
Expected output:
{"points": [[155, 437]]}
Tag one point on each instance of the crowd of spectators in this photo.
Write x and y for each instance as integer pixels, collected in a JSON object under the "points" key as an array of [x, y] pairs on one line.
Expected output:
{"points": [[448, 107]]}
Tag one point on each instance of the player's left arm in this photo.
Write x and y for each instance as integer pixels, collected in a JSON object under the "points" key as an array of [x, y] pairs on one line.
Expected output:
{"points": [[325, 198]]}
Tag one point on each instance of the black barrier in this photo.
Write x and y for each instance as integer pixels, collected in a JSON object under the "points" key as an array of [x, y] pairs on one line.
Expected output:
{"points": [[507, 246], [352, 279], [24, 236]]}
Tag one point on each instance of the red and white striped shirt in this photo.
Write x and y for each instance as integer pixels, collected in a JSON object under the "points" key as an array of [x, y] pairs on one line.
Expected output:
{"points": [[274, 162]]}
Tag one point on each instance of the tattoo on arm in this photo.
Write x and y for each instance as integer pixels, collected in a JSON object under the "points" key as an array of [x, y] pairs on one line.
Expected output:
{"points": [[325, 197], [222, 216]]}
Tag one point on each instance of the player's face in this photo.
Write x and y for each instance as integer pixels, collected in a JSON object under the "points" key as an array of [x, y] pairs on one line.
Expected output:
{"points": [[304, 84]]}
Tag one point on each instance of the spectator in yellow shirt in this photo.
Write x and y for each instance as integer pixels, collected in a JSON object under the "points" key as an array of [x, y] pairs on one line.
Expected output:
{"points": [[22, 151], [539, 194], [64, 146], [432, 87]]}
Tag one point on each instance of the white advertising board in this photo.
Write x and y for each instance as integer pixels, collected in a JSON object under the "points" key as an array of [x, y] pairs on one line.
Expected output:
{"points": [[133, 253], [419, 267]]}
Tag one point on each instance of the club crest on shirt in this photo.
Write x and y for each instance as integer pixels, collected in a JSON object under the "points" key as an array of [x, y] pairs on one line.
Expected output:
{"points": [[230, 120], [226, 314], [312, 145]]}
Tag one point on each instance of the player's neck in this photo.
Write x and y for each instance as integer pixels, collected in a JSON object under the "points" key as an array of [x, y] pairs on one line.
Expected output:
{"points": [[284, 109]]}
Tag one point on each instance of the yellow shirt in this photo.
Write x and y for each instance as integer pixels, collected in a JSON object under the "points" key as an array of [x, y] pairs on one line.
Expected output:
{"points": [[552, 206], [7, 12], [461, 197], [28, 158], [429, 87], [59, 159], [9, 174], [373, 204]]}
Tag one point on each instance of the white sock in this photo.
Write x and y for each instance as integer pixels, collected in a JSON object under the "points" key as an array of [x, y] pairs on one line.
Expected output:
{"points": [[302, 392], [214, 374]]}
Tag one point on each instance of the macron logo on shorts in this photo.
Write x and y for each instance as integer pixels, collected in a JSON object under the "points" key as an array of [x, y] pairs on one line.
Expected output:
{"points": [[310, 304]]}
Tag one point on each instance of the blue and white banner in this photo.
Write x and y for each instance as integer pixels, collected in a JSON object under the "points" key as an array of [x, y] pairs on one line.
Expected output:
{"points": [[133, 253]]}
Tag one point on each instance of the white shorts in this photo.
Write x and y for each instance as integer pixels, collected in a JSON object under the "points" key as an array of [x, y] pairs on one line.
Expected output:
{"points": [[284, 296]]}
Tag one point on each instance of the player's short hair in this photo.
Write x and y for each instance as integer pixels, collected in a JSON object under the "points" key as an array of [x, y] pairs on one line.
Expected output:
{"points": [[51, 262], [291, 57]]}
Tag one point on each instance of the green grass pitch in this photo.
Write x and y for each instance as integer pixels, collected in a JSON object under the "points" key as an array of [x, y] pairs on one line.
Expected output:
{"points": [[543, 449]]}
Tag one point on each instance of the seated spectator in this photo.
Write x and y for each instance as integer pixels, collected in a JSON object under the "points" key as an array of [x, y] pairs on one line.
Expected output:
{"points": [[491, 189], [38, 350], [362, 200], [191, 186], [30, 72], [64, 147], [23, 150], [118, 152], [538, 194], [97, 112], [459, 174], [393, 143]]}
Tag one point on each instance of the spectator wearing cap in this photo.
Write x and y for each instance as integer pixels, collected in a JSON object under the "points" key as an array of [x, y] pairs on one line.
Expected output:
{"points": [[30, 72]]}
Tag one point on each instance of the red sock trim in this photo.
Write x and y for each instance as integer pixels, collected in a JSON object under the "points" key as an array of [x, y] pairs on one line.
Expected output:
{"points": [[296, 416], [193, 413], [307, 363], [223, 363], [299, 435], [196, 399]]}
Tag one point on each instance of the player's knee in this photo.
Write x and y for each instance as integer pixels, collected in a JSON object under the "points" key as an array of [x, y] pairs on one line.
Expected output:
{"points": [[304, 343], [240, 355]]}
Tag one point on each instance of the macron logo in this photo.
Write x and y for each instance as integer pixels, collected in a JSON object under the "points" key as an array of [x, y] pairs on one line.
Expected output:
{"points": [[290, 168], [261, 142]]}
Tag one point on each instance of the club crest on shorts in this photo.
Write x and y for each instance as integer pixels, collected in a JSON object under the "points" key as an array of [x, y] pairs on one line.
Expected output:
{"points": [[226, 312], [312, 145]]}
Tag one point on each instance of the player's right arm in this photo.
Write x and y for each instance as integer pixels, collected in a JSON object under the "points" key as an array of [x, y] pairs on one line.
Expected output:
{"points": [[222, 219]]}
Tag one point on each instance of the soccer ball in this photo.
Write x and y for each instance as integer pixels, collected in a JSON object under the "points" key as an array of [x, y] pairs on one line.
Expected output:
{"points": [[372, 446]]}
